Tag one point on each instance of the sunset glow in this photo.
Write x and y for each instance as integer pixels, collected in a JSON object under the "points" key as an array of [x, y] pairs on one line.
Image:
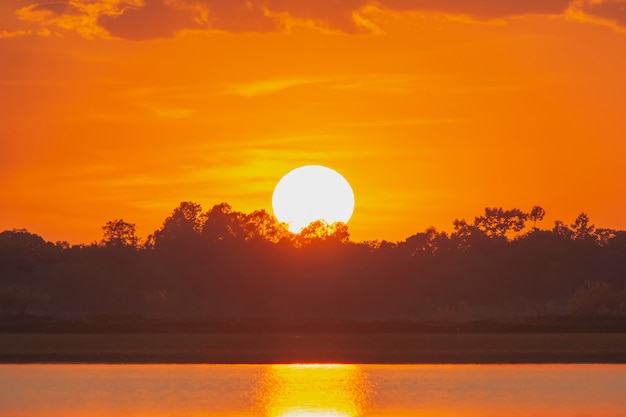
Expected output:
{"points": [[313, 391], [433, 110], [311, 193]]}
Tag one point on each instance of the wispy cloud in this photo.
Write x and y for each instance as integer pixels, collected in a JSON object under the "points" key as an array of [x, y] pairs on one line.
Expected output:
{"points": [[611, 13], [399, 122], [267, 87], [79, 16], [150, 19], [482, 9], [384, 83], [5, 34]]}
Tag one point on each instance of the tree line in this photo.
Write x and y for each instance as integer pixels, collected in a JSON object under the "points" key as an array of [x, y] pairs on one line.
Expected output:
{"points": [[223, 263]]}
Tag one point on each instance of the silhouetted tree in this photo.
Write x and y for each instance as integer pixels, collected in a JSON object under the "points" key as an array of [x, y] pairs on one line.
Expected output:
{"points": [[118, 233], [22, 253], [464, 234], [618, 241], [22, 238], [339, 232], [223, 223], [536, 215], [379, 246], [316, 230], [428, 242], [226, 263], [62, 244], [582, 230], [183, 226], [604, 236], [497, 222], [320, 231], [260, 225], [562, 230]]}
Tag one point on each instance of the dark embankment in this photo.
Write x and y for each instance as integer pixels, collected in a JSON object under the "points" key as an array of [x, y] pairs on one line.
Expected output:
{"points": [[136, 340]]}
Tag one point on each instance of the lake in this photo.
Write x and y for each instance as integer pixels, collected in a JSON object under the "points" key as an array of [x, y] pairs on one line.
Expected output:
{"points": [[323, 390]]}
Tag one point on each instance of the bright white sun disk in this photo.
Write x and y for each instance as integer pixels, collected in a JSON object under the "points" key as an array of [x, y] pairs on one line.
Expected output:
{"points": [[310, 193]]}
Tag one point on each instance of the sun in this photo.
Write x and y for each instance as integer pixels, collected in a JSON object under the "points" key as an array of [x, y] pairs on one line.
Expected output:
{"points": [[310, 193]]}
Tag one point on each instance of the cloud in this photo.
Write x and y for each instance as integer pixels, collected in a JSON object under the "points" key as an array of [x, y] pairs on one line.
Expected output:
{"points": [[79, 16], [163, 18], [149, 19], [337, 15], [266, 87], [57, 8], [6, 34], [481, 9], [613, 10], [400, 122], [152, 19], [240, 16], [382, 83]]}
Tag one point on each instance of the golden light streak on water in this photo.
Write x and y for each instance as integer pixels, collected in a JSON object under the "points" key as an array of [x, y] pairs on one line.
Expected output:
{"points": [[313, 390]]}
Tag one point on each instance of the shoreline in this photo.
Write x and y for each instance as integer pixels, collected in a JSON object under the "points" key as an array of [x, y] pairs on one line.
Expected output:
{"points": [[110, 323], [255, 348], [136, 340]]}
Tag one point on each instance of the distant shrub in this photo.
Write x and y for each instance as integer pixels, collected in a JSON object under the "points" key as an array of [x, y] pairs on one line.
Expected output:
{"points": [[594, 298], [17, 300]]}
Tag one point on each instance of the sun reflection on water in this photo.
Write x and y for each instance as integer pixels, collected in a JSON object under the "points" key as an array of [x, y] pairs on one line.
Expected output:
{"points": [[312, 390]]}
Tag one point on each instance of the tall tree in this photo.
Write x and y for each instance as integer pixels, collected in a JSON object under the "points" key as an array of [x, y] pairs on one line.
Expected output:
{"points": [[582, 229], [339, 232], [464, 234], [118, 233], [183, 226], [562, 230], [262, 225], [497, 222], [536, 215], [21, 238], [427, 242], [223, 223], [316, 230], [319, 230]]}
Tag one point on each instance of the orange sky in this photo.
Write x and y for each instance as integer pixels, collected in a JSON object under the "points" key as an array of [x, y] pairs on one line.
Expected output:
{"points": [[431, 109]]}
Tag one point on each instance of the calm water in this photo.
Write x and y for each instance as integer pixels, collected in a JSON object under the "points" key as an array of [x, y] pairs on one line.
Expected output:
{"points": [[313, 390]]}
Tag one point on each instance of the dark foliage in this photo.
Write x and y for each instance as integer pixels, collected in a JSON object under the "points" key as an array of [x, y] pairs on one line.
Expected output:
{"points": [[228, 264]]}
